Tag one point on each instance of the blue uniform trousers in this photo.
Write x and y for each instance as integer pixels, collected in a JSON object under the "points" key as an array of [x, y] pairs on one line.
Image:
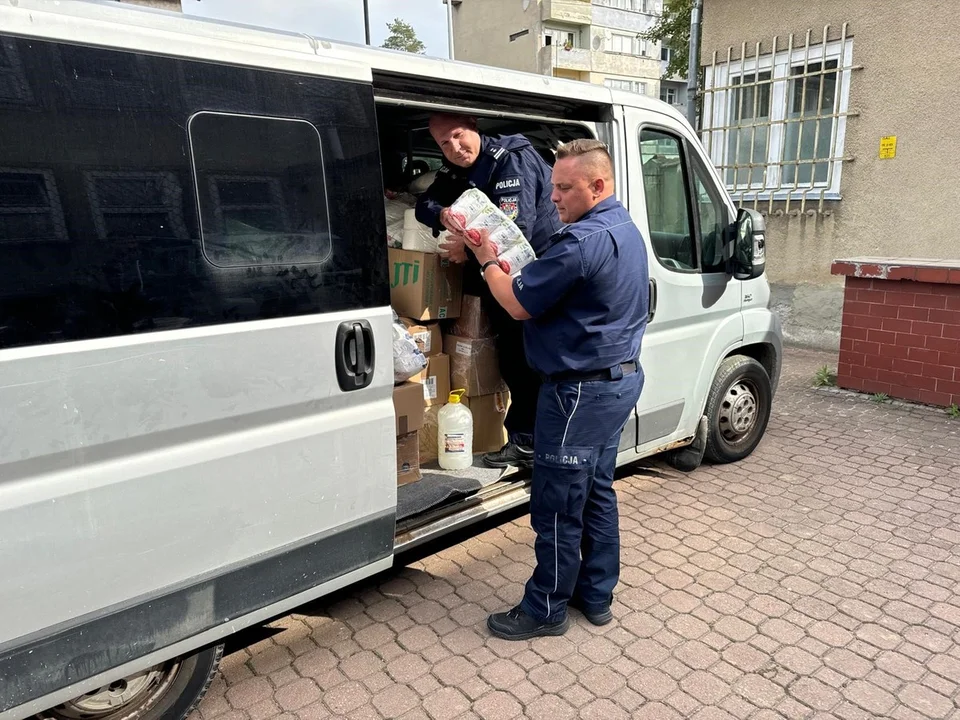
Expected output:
{"points": [[573, 507]]}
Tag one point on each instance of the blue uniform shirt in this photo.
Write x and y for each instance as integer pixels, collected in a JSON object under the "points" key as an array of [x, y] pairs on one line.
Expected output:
{"points": [[513, 175], [587, 295]]}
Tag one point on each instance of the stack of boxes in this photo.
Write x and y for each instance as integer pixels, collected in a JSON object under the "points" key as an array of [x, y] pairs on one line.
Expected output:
{"points": [[454, 334]]}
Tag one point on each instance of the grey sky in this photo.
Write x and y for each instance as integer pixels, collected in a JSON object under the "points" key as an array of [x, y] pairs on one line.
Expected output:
{"points": [[334, 19]]}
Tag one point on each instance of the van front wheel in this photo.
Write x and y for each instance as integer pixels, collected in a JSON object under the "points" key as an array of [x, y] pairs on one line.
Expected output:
{"points": [[168, 691], [738, 409]]}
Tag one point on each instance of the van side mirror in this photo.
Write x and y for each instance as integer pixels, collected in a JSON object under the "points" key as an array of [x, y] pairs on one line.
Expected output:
{"points": [[749, 245]]}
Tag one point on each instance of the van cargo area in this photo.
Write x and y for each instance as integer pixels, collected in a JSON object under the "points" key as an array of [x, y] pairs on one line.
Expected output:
{"points": [[431, 500]]}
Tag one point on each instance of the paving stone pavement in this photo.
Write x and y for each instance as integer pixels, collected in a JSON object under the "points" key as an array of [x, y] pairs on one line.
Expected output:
{"points": [[819, 578]]}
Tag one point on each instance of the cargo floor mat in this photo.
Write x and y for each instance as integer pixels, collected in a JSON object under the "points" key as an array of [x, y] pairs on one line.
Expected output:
{"points": [[440, 487]]}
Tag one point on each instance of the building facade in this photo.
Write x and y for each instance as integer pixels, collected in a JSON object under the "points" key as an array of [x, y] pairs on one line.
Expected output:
{"points": [[174, 5], [594, 41], [836, 121]]}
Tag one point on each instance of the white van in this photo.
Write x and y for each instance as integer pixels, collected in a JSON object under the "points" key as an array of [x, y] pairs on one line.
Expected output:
{"points": [[192, 234]]}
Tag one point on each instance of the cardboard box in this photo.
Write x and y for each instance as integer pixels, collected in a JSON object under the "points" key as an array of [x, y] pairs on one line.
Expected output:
{"points": [[408, 407], [435, 380], [426, 335], [474, 365], [428, 435], [489, 412], [408, 458], [424, 286], [473, 321]]}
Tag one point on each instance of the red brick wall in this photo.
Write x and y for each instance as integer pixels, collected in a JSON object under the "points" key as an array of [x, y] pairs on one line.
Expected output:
{"points": [[901, 338]]}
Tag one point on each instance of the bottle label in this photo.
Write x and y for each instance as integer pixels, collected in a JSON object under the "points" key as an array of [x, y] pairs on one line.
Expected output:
{"points": [[454, 443]]}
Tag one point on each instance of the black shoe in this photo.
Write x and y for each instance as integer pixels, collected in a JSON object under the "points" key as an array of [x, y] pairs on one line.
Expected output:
{"points": [[596, 617], [517, 625], [510, 454]]}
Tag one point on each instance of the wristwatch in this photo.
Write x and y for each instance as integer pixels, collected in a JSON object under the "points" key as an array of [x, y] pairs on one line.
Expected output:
{"points": [[483, 269]]}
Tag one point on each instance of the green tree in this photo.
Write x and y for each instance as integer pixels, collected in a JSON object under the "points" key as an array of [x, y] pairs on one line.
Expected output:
{"points": [[672, 29], [403, 37]]}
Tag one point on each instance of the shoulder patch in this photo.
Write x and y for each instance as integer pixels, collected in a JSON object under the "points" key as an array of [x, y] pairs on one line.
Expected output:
{"points": [[496, 151], [510, 206]]}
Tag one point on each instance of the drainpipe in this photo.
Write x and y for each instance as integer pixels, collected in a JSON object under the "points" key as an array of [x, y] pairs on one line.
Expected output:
{"points": [[366, 20], [693, 63]]}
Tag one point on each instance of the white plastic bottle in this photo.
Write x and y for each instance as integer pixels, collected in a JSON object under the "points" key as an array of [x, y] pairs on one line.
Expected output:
{"points": [[455, 434]]}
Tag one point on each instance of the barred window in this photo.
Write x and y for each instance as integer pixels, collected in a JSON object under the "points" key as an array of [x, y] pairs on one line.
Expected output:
{"points": [[774, 124], [136, 204], [633, 86], [30, 206]]}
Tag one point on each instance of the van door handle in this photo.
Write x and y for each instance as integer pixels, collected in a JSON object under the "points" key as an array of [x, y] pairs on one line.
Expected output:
{"points": [[355, 355], [653, 300]]}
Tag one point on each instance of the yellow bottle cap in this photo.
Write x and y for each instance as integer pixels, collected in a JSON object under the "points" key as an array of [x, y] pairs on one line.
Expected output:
{"points": [[455, 395]]}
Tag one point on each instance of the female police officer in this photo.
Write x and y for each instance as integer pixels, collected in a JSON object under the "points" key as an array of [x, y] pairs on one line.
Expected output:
{"points": [[585, 306]]}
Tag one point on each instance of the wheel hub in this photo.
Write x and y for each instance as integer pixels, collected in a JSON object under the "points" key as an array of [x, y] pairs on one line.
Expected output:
{"points": [[738, 412], [138, 689]]}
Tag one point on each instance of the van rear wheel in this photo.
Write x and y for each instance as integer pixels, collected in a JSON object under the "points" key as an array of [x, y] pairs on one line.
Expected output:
{"points": [[168, 691], [738, 409]]}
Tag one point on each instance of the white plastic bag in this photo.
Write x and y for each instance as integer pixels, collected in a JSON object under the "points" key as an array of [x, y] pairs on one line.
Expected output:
{"points": [[408, 360], [476, 212]]}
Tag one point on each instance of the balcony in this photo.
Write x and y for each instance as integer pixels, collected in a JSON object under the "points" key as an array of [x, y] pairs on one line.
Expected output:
{"points": [[600, 62], [575, 12], [636, 66], [553, 56]]}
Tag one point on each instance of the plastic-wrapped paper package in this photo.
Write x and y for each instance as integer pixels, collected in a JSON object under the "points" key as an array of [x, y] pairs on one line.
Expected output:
{"points": [[417, 236], [408, 360], [476, 212], [396, 208]]}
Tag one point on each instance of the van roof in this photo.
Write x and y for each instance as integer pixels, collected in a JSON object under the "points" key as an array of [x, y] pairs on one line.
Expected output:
{"points": [[94, 14]]}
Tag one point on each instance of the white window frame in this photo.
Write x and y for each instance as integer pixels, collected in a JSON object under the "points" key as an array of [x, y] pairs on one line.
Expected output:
{"points": [[626, 85], [637, 47], [666, 92], [716, 116]]}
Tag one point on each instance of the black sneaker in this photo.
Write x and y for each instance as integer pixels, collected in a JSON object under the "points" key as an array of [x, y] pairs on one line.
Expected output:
{"points": [[517, 625], [510, 454], [596, 617]]}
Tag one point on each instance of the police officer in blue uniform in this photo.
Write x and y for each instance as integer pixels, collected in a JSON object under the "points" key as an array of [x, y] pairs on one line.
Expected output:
{"points": [[513, 175], [584, 303]]}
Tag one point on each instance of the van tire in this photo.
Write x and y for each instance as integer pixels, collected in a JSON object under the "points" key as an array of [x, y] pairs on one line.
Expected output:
{"points": [[738, 409], [187, 680]]}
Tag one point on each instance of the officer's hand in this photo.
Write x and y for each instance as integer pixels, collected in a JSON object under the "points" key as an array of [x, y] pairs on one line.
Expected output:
{"points": [[453, 222], [483, 247], [454, 249]]}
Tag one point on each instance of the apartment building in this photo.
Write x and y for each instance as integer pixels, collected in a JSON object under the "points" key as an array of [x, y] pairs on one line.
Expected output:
{"points": [[596, 41]]}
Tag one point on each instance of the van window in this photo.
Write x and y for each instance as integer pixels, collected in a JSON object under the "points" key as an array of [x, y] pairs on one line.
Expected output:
{"points": [[665, 189], [676, 221], [712, 214], [261, 190], [161, 207]]}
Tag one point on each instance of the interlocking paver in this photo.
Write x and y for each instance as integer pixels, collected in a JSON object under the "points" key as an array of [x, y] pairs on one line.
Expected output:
{"points": [[818, 578]]}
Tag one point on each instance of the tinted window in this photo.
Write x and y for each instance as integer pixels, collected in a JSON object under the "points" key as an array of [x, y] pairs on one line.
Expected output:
{"points": [[100, 233], [263, 199]]}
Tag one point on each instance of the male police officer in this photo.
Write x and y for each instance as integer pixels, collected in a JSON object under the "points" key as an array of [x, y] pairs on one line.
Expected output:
{"points": [[511, 173], [585, 305]]}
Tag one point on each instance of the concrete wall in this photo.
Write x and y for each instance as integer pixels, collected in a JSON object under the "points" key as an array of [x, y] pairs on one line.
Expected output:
{"points": [[481, 34], [902, 207]]}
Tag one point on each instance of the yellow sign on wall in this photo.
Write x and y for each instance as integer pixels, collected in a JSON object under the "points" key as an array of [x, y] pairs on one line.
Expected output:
{"points": [[888, 147]]}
